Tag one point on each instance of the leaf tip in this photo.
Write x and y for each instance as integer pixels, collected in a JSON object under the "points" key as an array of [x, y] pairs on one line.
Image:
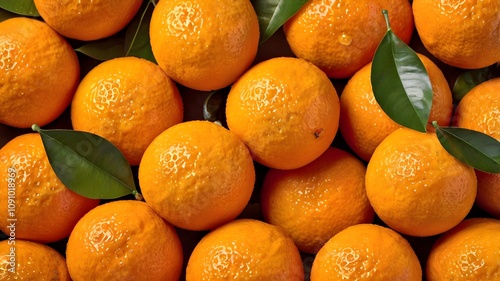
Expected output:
{"points": [[35, 128]]}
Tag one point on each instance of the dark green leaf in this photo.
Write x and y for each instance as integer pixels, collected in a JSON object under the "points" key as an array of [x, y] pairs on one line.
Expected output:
{"points": [[471, 78], [137, 34], [474, 148], [88, 164], [104, 49], [20, 7], [400, 82], [214, 105], [272, 14], [5, 15]]}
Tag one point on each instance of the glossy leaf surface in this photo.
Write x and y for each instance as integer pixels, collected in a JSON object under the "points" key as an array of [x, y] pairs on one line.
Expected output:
{"points": [[88, 164], [20, 7]]}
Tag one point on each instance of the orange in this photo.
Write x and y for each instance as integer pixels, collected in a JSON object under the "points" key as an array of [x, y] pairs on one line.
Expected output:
{"points": [[366, 252], [37, 80], [124, 240], [34, 204], [479, 110], [25, 260], [416, 187], [204, 44], [129, 101], [197, 175], [463, 34], [341, 36], [364, 124], [469, 251], [315, 202], [245, 249], [87, 19], [285, 110]]}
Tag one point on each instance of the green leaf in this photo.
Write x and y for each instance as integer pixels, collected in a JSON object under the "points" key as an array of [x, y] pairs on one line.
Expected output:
{"points": [[88, 164], [20, 7], [471, 78], [474, 148], [272, 14], [137, 34], [400, 82], [214, 105], [104, 49]]}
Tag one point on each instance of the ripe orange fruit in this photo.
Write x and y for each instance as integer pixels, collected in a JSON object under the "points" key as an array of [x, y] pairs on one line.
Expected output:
{"points": [[197, 175], [479, 110], [469, 251], [37, 80], [315, 202], [203, 44], [366, 252], [25, 260], [33, 198], [416, 187], [129, 101], [341, 36], [463, 34], [87, 19], [364, 124], [245, 249], [124, 240], [285, 110]]}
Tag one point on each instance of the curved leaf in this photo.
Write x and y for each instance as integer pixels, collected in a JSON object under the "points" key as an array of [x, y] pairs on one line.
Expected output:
{"points": [[104, 49], [20, 7], [272, 14], [471, 78], [88, 164], [137, 34], [400, 82], [474, 148]]}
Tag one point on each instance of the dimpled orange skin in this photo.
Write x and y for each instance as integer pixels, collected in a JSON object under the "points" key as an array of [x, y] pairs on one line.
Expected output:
{"points": [[285, 110], [463, 34], [469, 251], [45, 209], [245, 249], [197, 175], [315, 202], [416, 187], [87, 19], [366, 252], [129, 101], [341, 36], [124, 240], [37, 80], [193, 42], [479, 110], [364, 124], [33, 261]]}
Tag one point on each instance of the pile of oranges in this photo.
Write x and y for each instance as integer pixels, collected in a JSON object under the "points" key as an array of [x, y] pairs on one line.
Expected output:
{"points": [[303, 178]]}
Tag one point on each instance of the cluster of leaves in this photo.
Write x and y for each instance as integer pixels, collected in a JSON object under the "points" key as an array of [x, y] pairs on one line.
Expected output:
{"points": [[400, 84]]}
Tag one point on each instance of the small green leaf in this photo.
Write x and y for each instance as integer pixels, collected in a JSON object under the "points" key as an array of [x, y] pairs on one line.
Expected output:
{"points": [[474, 148], [400, 82], [471, 78], [273, 14], [104, 49], [20, 7], [137, 34], [88, 164], [214, 105]]}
